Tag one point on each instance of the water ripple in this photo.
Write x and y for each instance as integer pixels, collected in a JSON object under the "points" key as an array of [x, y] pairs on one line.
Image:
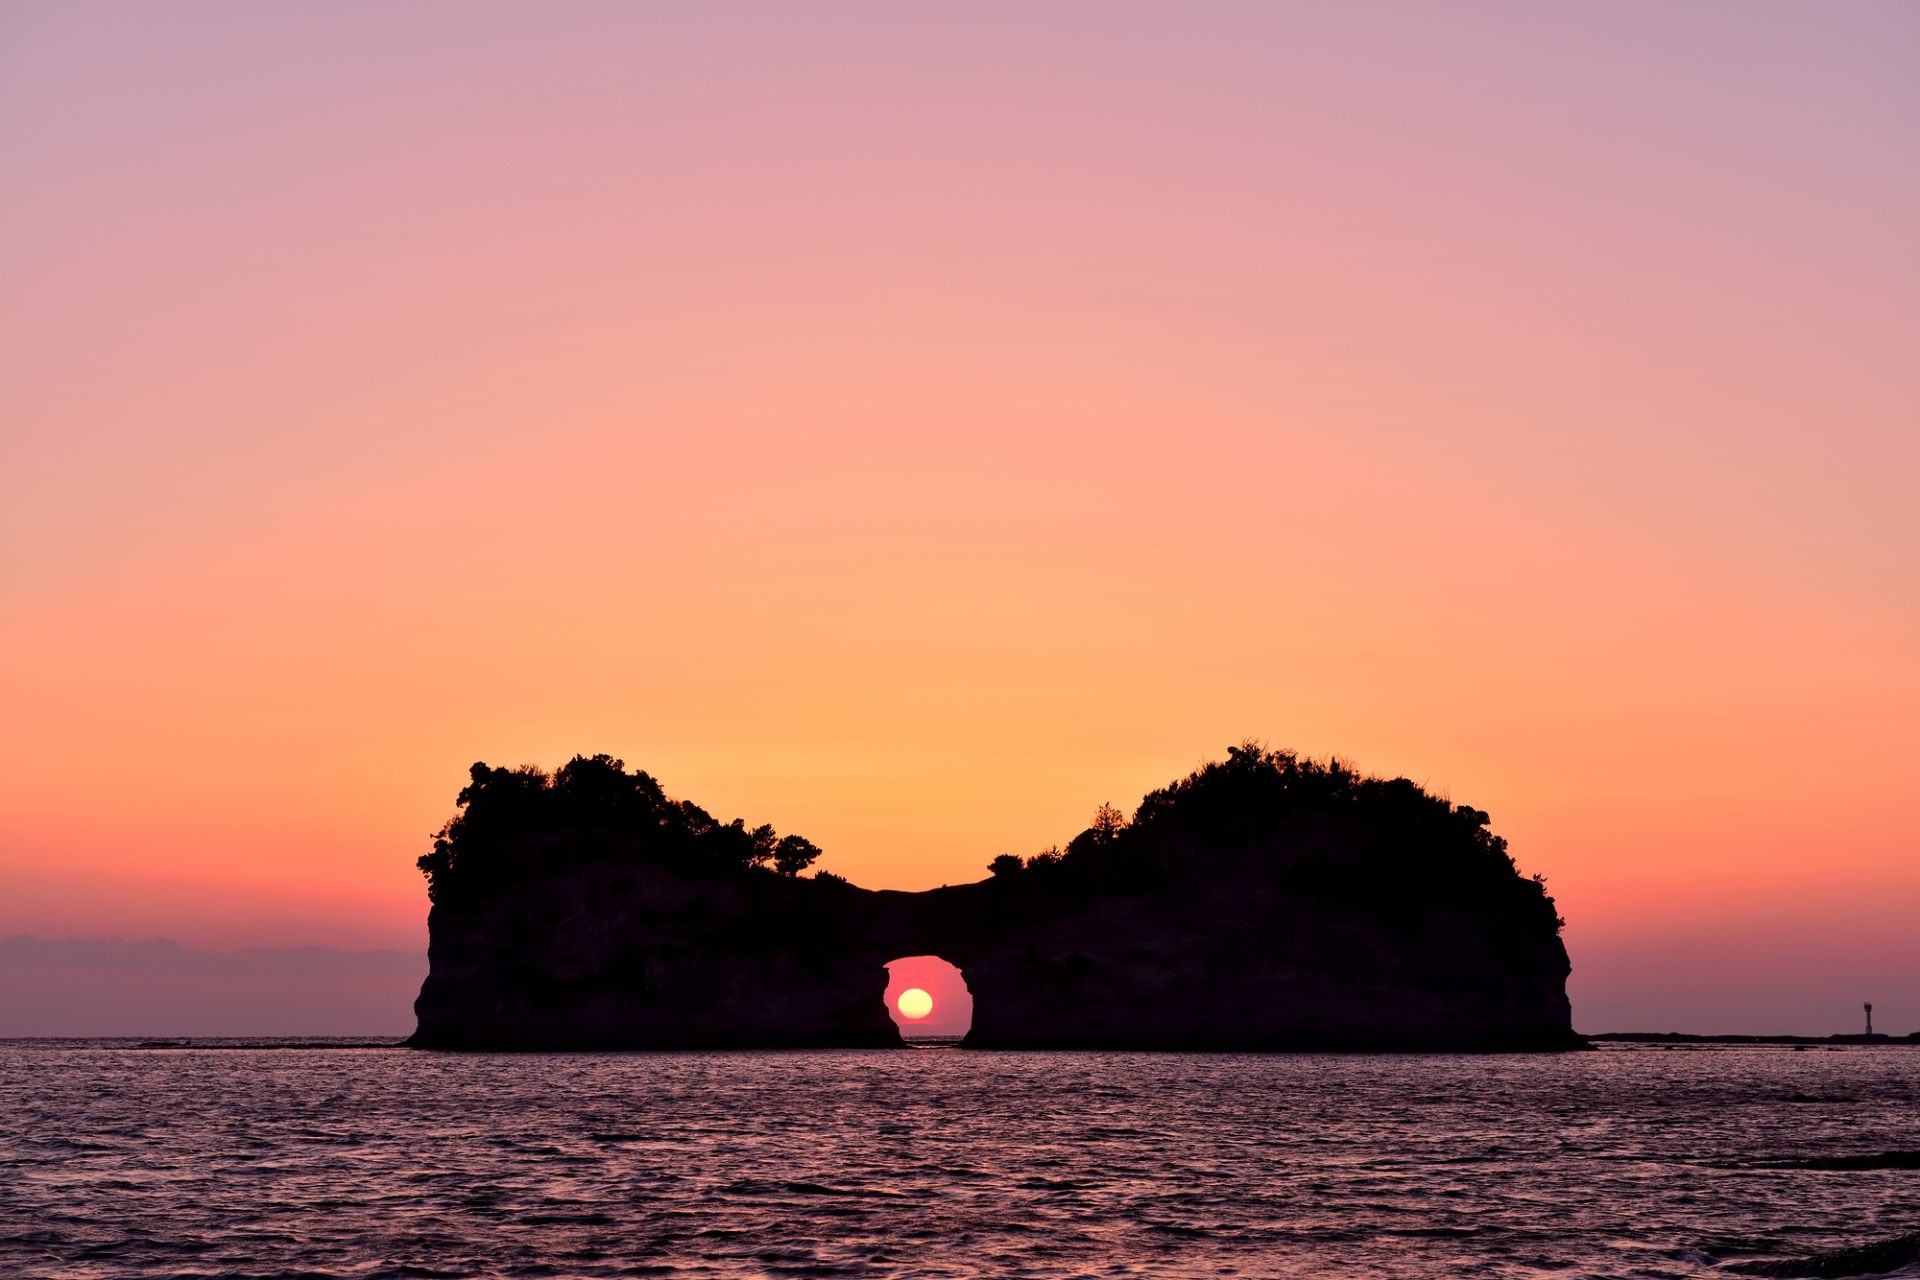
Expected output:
{"points": [[369, 1163]]}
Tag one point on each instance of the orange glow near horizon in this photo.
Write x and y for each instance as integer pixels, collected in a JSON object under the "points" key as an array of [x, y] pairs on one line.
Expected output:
{"points": [[914, 432]]}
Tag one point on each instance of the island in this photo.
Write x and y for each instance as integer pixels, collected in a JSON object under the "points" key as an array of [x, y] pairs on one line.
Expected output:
{"points": [[1265, 902]]}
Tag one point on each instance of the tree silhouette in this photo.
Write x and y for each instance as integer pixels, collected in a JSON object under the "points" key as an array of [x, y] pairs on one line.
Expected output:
{"points": [[1048, 857], [793, 855], [513, 824]]}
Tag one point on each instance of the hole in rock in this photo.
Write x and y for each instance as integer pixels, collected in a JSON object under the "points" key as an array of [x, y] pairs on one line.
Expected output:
{"points": [[928, 999]]}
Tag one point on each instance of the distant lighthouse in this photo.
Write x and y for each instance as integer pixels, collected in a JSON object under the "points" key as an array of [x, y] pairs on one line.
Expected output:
{"points": [[1869, 1017]]}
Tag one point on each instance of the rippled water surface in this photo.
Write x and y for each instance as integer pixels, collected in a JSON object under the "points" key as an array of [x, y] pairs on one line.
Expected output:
{"points": [[116, 1161]]}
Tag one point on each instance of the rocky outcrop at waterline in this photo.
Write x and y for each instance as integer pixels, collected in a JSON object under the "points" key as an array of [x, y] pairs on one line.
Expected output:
{"points": [[1264, 902]]}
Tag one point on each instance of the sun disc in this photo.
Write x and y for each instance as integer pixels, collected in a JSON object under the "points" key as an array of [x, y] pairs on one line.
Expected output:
{"points": [[914, 1003]]}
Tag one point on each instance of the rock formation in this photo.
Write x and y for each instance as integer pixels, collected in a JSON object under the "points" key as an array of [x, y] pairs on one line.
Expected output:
{"points": [[1265, 902]]}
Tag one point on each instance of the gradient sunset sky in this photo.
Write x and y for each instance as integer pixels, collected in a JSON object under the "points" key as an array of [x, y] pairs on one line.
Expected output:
{"points": [[913, 426]]}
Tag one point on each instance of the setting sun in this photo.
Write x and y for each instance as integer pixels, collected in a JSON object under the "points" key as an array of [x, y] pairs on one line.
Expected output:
{"points": [[914, 1003]]}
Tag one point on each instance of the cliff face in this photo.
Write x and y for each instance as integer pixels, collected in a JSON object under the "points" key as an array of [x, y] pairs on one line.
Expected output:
{"points": [[612, 956], [1311, 927]]}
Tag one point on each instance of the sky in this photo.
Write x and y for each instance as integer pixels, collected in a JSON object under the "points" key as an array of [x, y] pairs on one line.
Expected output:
{"points": [[156, 987], [914, 426]]}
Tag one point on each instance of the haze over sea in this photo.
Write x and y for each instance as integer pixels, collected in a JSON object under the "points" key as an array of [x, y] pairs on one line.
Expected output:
{"points": [[1629, 1161]]}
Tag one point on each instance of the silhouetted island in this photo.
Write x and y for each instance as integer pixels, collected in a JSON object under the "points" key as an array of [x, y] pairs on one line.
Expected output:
{"points": [[1264, 902]]}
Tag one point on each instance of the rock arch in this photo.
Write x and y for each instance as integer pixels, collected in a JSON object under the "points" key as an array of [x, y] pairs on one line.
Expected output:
{"points": [[659, 961]]}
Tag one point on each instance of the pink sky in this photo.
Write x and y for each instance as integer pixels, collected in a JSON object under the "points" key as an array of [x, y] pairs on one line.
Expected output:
{"points": [[945, 985], [914, 429]]}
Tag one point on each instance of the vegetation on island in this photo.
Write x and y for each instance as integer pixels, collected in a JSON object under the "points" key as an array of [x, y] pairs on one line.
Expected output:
{"points": [[514, 820], [1379, 847], [1378, 844]]}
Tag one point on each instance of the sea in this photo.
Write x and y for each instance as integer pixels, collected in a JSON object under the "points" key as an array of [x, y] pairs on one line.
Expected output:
{"points": [[312, 1159]]}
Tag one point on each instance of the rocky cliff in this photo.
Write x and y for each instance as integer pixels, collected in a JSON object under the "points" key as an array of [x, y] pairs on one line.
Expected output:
{"points": [[1265, 902]]}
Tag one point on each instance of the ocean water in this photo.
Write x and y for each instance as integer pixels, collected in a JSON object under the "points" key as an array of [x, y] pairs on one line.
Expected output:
{"points": [[1628, 1161]]}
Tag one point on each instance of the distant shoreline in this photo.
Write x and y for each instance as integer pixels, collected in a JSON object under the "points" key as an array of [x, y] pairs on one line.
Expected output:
{"points": [[926, 1042], [254, 1043], [1683, 1037]]}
